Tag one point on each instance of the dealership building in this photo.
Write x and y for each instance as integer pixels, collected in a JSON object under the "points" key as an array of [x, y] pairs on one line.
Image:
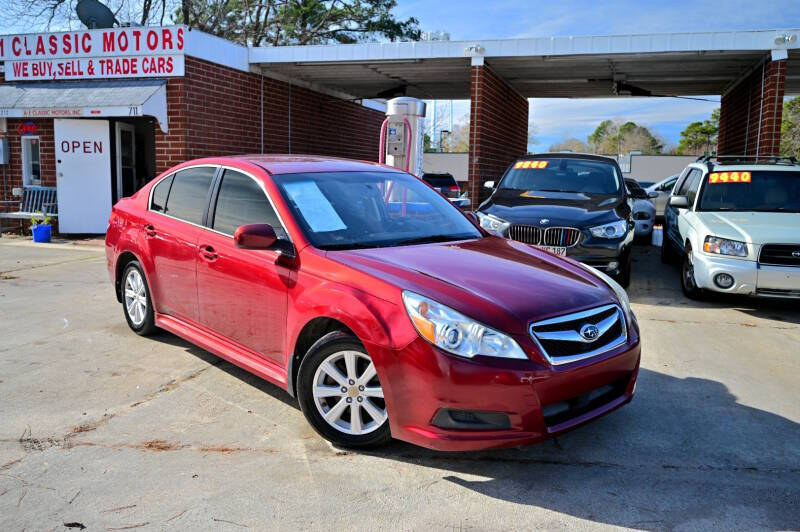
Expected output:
{"points": [[92, 115]]}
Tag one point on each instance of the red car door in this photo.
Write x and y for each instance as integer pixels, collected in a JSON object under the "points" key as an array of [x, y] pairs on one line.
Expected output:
{"points": [[242, 292], [171, 230]]}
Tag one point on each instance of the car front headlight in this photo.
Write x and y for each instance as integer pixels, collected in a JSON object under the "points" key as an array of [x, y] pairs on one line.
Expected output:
{"points": [[612, 230], [493, 224], [619, 292], [723, 246], [455, 333]]}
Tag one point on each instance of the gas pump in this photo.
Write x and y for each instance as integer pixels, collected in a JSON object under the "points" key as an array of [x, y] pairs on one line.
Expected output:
{"points": [[402, 134]]}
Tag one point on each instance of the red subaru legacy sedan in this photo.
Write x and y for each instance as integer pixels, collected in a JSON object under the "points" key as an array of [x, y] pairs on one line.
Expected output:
{"points": [[385, 310]]}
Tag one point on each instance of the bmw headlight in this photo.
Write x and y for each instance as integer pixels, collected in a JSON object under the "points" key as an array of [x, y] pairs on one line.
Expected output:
{"points": [[723, 246], [619, 292], [612, 230], [455, 333], [493, 224]]}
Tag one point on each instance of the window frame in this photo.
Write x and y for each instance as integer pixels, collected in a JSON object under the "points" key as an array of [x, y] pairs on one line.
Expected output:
{"points": [[212, 197], [217, 185], [27, 179]]}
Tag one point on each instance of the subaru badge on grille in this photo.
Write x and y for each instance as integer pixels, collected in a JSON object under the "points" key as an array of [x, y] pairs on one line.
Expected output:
{"points": [[589, 332]]}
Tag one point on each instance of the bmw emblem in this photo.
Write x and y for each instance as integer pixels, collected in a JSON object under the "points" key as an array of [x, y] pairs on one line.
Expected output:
{"points": [[589, 332], [544, 221]]}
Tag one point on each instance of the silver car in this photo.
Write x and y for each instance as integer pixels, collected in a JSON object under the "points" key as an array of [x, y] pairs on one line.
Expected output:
{"points": [[663, 189], [644, 212]]}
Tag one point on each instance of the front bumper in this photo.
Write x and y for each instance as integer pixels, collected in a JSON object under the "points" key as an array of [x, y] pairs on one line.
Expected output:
{"points": [[643, 227], [750, 278], [419, 380], [607, 255]]}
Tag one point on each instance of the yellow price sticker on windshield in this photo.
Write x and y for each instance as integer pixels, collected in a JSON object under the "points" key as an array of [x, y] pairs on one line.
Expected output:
{"points": [[530, 165], [729, 177]]}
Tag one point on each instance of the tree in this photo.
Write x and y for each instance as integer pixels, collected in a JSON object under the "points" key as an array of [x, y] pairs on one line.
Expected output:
{"points": [[283, 22], [617, 137], [250, 22], [458, 139], [699, 137], [790, 128], [571, 144]]}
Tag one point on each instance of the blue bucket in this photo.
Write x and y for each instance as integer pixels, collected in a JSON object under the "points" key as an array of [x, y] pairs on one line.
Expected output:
{"points": [[41, 233]]}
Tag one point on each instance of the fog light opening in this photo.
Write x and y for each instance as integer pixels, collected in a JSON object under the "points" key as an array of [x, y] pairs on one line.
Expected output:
{"points": [[613, 265], [723, 280]]}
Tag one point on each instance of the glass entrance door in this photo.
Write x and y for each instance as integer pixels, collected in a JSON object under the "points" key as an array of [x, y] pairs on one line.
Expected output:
{"points": [[126, 160]]}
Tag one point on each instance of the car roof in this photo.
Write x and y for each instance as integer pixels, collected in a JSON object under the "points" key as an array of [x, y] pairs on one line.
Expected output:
{"points": [[297, 164], [569, 155], [735, 167]]}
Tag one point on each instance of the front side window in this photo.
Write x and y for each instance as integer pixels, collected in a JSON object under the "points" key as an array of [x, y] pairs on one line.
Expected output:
{"points": [[687, 181], [240, 202], [349, 210], [31, 162], [564, 175], [761, 191], [187, 197]]}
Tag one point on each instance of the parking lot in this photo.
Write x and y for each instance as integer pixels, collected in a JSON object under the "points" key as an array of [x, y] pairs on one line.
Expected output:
{"points": [[107, 430]]}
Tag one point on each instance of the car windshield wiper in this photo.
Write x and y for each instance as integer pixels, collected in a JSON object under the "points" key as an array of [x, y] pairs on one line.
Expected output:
{"points": [[431, 239]]}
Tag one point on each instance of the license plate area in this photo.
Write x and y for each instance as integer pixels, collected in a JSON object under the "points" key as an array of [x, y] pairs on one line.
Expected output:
{"points": [[555, 250]]}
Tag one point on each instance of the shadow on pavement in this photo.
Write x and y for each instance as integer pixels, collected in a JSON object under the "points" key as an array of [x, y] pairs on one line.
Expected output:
{"points": [[682, 452]]}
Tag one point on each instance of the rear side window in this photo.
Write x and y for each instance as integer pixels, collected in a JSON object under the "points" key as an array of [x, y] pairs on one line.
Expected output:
{"points": [[240, 202], [160, 193], [187, 197]]}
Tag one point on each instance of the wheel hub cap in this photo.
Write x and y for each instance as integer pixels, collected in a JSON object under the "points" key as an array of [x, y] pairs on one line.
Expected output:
{"points": [[347, 393]]}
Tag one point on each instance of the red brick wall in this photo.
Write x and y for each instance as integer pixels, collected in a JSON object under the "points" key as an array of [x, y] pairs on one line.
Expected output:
{"points": [[751, 113], [216, 110], [498, 129]]}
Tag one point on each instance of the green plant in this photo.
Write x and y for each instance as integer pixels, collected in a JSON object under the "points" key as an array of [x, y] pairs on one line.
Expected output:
{"points": [[40, 218]]}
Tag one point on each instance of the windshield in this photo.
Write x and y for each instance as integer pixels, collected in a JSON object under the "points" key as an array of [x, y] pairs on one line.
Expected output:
{"points": [[564, 175], [351, 210], [765, 191]]}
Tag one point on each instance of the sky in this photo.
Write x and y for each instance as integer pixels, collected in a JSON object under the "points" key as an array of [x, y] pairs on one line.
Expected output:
{"points": [[557, 119]]}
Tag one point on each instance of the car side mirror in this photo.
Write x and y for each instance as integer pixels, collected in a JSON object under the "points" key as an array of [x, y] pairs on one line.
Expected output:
{"points": [[679, 202], [255, 236], [652, 194], [489, 185]]}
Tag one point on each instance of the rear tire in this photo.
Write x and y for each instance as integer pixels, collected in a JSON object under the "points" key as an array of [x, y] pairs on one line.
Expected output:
{"points": [[667, 253], [688, 283], [340, 394], [137, 305]]}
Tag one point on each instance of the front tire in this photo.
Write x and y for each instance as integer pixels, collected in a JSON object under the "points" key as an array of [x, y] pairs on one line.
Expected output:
{"points": [[136, 301], [340, 394], [688, 283]]}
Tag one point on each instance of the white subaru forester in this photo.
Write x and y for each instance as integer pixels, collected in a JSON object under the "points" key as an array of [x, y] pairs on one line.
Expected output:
{"points": [[736, 227]]}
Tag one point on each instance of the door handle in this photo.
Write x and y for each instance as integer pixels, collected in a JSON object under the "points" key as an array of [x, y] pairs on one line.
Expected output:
{"points": [[208, 252], [150, 230]]}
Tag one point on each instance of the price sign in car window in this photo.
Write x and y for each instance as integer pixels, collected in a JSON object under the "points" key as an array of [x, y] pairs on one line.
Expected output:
{"points": [[314, 206], [729, 177], [531, 165]]}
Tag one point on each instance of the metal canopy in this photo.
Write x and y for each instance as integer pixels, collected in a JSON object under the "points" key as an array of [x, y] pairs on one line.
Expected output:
{"points": [[685, 64], [87, 99]]}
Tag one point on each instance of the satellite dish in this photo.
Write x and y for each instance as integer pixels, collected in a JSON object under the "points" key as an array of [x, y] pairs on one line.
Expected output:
{"points": [[95, 15]]}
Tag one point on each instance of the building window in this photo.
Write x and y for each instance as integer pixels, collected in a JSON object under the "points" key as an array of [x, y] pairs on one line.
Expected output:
{"points": [[31, 167]]}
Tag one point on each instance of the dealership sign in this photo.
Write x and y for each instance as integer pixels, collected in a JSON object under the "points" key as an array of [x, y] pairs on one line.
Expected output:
{"points": [[139, 52]]}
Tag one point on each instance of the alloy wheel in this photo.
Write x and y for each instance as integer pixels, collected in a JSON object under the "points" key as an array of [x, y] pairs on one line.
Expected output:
{"points": [[135, 297], [347, 393]]}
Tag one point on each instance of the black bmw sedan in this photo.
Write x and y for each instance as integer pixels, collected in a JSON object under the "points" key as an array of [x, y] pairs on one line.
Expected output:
{"points": [[569, 204]]}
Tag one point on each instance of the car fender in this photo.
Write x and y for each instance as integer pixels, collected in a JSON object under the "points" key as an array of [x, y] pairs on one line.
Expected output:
{"points": [[370, 318]]}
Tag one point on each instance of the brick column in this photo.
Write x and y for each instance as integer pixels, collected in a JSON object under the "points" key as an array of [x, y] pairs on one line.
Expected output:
{"points": [[751, 113], [498, 129]]}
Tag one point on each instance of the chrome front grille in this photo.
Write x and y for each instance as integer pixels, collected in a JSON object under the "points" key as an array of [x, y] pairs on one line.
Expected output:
{"points": [[561, 341], [551, 236]]}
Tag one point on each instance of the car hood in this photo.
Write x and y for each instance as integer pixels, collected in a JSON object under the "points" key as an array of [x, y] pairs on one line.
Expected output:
{"points": [[571, 209], [753, 227], [499, 282]]}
